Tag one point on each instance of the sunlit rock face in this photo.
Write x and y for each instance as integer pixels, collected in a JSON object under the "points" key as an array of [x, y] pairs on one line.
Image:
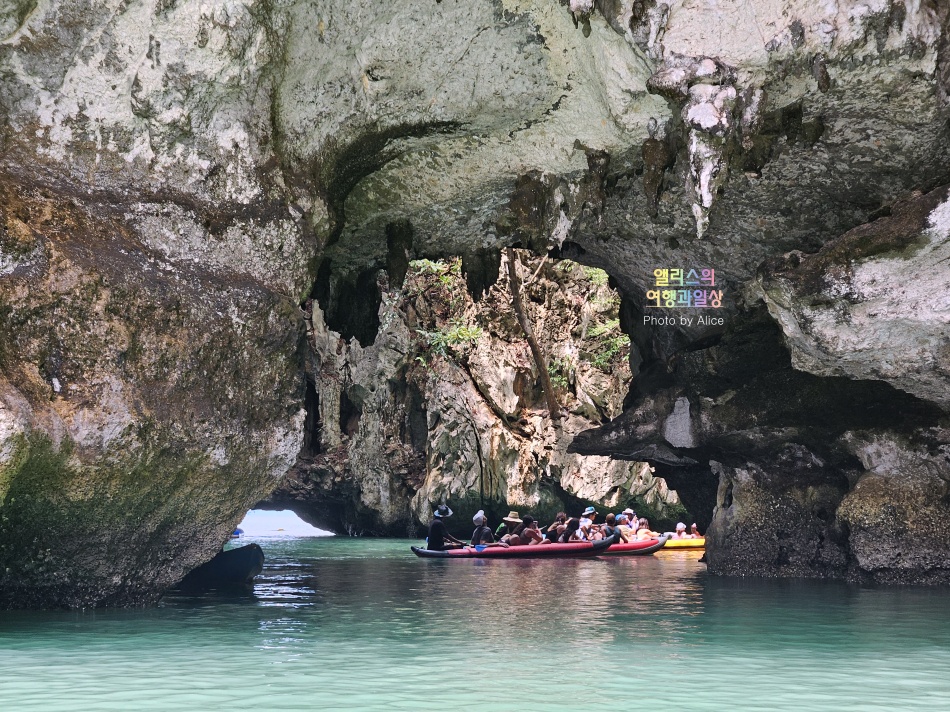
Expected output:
{"points": [[445, 406], [873, 304], [179, 176]]}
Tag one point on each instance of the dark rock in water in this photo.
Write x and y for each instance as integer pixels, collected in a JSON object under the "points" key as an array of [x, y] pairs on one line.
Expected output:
{"points": [[228, 567]]}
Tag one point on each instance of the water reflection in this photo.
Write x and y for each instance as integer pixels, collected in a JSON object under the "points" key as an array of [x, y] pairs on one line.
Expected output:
{"points": [[364, 625]]}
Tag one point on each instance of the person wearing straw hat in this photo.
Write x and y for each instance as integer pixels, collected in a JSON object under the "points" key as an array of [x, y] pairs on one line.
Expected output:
{"points": [[439, 538], [508, 525]]}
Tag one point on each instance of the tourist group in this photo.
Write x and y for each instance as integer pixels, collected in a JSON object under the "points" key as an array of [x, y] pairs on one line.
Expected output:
{"points": [[517, 531]]}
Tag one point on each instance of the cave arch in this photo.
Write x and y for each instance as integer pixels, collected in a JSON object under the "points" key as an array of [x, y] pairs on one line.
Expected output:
{"points": [[448, 392]]}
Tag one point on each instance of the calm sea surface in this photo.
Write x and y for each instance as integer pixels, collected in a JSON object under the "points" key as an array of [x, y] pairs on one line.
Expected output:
{"points": [[348, 624]]}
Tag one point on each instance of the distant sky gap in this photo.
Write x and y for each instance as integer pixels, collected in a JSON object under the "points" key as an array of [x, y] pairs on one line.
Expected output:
{"points": [[283, 523]]}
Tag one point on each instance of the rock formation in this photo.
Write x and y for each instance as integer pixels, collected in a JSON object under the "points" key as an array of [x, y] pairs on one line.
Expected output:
{"points": [[446, 405], [178, 177]]}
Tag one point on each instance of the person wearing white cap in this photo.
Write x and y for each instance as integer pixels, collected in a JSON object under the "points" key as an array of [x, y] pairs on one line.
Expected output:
{"points": [[631, 518], [482, 533], [681, 532]]}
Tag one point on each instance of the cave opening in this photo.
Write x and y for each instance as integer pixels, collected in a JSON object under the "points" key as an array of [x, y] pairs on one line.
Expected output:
{"points": [[350, 414], [452, 318], [311, 425], [350, 302], [268, 523], [696, 486]]}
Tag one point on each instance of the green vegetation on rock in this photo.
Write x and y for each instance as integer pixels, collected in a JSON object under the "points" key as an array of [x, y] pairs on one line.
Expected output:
{"points": [[455, 336], [605, 343], [560, 370], [597, 277], [608, 343]]}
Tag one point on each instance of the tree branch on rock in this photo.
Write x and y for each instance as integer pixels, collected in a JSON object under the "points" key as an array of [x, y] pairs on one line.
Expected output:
{"points": [[539, 361]]}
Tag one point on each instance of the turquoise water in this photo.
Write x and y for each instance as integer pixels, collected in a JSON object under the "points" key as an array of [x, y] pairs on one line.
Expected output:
{"points": [[348, 624]]}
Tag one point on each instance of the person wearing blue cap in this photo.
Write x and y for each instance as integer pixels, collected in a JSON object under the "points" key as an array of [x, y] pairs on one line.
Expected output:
{"points": [[439, 538], [623, 526]]}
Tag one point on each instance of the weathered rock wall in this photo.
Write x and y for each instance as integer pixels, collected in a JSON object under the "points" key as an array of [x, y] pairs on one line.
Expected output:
{"points": [[825, 426], [144, 406], [151, 261], [873, 304]]}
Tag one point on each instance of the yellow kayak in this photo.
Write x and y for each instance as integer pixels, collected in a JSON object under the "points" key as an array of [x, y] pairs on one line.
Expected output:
{"points": [[685, 544]]}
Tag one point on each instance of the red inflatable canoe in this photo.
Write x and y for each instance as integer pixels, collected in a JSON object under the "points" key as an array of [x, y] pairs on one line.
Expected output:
{"points": [[636, 548], [580, 548]]}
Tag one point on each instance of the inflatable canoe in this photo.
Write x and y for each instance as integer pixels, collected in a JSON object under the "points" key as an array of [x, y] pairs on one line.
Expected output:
{"points": [[637, 548], [578, 548], [686, 544]]}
